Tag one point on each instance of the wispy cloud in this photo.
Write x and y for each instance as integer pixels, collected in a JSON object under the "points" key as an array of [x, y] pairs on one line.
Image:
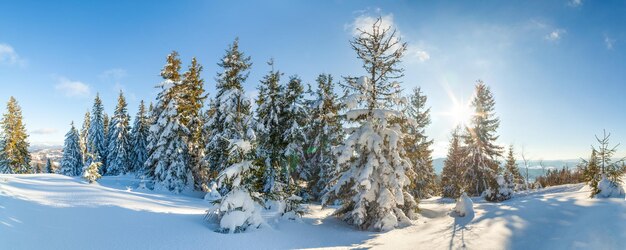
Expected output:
{"points": [[9, 56], [44, 131], [365, 22], [608, 42], [555, 35], [113, 74], [575, 3], [72, 88]]}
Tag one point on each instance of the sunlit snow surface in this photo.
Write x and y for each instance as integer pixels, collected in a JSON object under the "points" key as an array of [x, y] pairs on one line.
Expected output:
{"points": [[49, 211]]}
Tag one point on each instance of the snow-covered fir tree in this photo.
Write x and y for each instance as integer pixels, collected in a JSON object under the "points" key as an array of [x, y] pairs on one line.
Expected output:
{"points": [[190, 113], [230, 114], [480, 145], [119, 139], [15, 156], [292, 118], [270, 136], [91, 172], [512, 173], [167, 146], [139, 139], [96, 141], [170, 74], [591, 172], [72, 161], [84, 131], [170, 158], [373, 183], [49, 168], [417, 146], [452, 173], [240, 207], [324, 133], [602, 168]]}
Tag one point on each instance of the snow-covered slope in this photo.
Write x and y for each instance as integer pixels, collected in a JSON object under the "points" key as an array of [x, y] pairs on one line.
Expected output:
{"points": [[48, 211]]}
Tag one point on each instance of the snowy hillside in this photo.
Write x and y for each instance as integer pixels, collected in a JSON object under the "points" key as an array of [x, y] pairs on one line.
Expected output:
{"points": [[49, 211]]}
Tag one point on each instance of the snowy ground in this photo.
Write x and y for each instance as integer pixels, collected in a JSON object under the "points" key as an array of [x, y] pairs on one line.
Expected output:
{"points": [[49, 211]]}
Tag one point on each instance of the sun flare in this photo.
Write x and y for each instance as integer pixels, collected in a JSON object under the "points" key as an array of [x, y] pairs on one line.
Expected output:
{"points": [[461, 114]]}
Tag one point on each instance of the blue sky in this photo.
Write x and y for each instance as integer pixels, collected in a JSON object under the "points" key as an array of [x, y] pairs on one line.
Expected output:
{"points": [[556, 68]]}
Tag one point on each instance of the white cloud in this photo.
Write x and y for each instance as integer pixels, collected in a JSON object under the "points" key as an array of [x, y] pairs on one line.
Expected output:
{"points": [[365, 22], [9, 56], [113, 74], [608, 41], [575, 3], [72, 88], [44, 131], [415, 53], [555, 35]]}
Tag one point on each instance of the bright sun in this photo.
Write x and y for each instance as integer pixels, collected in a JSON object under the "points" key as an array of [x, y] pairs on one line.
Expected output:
{"points": [[461, 114]]}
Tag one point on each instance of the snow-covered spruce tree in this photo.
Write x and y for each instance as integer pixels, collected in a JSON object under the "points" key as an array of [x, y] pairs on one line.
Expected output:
{"points": [[119, 139], [230, 114], [84, 131], [513, 174], [373, 183], [170, 74], [591, 172], [324, 133], [451, 175], [481, 148], [72, 161], [270, 136], [91, 172], [14, 137], [167, 146], [292, 118], [417, 146], [49, 168], [139, 138], [239, 209], [608, 174], [190, 113], [96, 141]]}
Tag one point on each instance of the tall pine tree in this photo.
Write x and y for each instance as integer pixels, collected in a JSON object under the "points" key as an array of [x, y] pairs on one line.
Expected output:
{"points": [[270, 136], [16, 158], [324, 133], [168, 154], [119, 139], [373, 182], [292, 119], [84, 131], [72, 161], [139, 138], [230, 114], [96, 140], [481, 148], [190, 112], [417, 146]]}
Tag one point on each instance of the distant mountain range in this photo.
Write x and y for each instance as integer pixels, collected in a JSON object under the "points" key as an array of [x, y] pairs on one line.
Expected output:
{"points": [[40, 153], [534, 168]]}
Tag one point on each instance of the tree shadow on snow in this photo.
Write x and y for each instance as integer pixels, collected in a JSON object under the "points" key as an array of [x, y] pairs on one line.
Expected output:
{"points": [[557, 222]]}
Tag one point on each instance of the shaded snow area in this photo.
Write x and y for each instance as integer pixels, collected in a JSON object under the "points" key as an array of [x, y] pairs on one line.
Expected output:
{"points": [[48, 211]]}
